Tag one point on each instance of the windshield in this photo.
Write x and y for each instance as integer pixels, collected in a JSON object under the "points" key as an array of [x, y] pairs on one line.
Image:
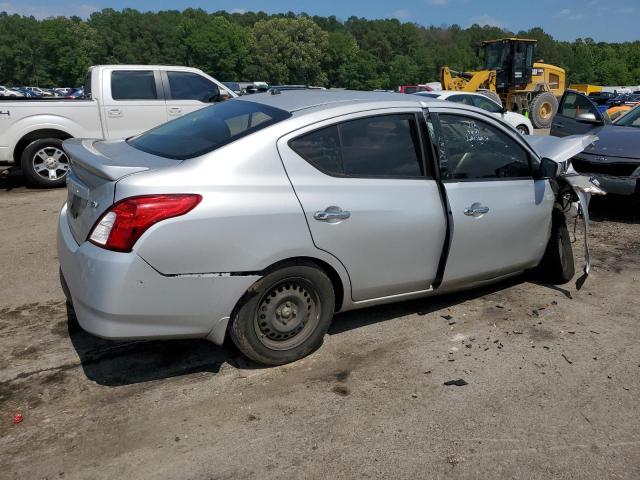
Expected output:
{"points": [[207, 129], [496, 55], [631, 119]]}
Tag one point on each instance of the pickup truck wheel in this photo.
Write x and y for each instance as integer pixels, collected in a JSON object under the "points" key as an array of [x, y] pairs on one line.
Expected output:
{"points": [[45, 163], [284, 316], [557, 265]]}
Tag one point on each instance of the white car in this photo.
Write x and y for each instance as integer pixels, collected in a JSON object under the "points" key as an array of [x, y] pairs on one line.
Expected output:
{"points": [[516, 120], [7, 92]]}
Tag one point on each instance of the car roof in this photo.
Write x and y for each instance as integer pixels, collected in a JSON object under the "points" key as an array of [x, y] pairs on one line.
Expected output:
{"points": [[296, 100]]}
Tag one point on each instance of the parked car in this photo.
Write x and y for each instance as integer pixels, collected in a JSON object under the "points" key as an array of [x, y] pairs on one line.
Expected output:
{"points": [[287, 208], [601, 98], [414, 88], [129, 100], [516, 120], [25, 92], [41, 92], [76, 93], [9, 92], [614, 158]]}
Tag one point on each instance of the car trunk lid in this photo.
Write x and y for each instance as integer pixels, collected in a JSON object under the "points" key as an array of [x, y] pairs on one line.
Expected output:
{"points": [[96, 167]]}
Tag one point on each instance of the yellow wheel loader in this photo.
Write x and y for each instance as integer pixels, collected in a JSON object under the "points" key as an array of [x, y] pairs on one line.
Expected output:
{"points": [[511, 76]]}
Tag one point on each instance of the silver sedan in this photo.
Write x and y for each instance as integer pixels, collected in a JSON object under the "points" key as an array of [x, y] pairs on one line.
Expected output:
{"points": [[262, 216]]}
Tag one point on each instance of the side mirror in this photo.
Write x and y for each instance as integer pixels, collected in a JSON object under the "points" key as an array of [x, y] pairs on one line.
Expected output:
{"points": [[548, 169], [212, 96], [588, 118]]}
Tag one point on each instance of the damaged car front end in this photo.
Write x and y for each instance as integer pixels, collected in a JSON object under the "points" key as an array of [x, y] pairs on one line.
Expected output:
{"points": [[573, 190]]}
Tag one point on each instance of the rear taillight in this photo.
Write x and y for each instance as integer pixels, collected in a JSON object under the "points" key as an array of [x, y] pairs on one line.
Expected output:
{"points": [[125, 222]]}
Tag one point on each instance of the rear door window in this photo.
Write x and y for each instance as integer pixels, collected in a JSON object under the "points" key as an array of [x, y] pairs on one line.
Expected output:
{"points": [[486, 104], [207, 129], [133, 85], [386, 146], [191, 86], [464, 99]]}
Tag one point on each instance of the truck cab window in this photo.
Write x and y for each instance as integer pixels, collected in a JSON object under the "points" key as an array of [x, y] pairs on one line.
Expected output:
{"points": [[190, 86], [133, 85]]}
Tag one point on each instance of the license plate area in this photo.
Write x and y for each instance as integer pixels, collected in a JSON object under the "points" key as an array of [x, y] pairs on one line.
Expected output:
{"points": [[77, 196]]}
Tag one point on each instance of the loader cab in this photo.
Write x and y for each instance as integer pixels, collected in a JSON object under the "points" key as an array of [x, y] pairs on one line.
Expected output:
{"points": [[512, 60]]}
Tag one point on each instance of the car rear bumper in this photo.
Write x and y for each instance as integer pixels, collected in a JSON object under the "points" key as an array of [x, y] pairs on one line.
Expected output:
{"points": [[119, 296]]}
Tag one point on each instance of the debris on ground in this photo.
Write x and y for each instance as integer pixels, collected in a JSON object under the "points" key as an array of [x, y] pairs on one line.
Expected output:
{"points": [[456, 383], [447, 317], [17, 418], [568, 361]]}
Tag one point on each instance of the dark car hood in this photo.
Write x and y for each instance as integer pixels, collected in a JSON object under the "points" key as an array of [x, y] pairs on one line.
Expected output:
{"points": [[616, 141]]}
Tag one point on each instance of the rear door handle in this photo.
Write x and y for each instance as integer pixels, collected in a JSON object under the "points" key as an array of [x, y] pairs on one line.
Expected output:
{"points": [[175, 111], [476, 210], [114, 112], [331, 214]]}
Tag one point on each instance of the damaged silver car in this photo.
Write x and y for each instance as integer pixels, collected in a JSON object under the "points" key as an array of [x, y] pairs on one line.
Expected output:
{"points": [[261, 217]]}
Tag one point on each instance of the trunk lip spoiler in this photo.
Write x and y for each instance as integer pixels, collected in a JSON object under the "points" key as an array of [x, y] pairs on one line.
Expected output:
{"points": [[119, 160]]}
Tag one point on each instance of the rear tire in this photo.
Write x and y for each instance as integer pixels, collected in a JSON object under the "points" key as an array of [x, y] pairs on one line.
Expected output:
{"points": [[45, 163], [284, 316], [542, 109], [557, 266]]}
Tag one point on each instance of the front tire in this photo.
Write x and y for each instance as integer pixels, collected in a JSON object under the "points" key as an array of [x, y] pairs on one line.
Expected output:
{"points": [[45, 163], [284, 316], [557, 266]]}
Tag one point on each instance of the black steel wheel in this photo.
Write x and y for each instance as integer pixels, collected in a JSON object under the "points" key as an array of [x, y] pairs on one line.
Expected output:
{"points": [[285, 315]]}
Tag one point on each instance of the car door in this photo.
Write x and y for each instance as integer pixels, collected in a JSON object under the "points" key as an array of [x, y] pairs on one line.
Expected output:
{"points": [[133, 102], [187, 92], [370, 199], [500, 215], [568, 120]]}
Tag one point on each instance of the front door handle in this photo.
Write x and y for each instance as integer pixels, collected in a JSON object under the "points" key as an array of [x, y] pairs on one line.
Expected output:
{"points": [[331, 214], [175, 111], [476, 210], [114, 112]]}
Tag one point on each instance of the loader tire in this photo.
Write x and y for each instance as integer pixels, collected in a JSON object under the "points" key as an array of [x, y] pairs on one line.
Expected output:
{"points": [[542, 109]]}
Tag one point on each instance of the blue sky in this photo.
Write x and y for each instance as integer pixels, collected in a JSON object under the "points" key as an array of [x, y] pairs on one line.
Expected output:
{"points": [[602, 20]]}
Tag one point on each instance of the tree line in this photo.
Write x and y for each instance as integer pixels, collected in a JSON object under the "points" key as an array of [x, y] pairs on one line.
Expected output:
{"points": [[280, 48]]}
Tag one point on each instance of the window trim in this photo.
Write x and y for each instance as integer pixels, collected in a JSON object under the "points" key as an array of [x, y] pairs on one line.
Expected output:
{"points": [[160, 97], [462, 113], [421, 152]]}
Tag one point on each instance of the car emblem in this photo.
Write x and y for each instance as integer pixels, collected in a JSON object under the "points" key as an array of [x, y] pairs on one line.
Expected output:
{"points": [[601, 159], [94, 204]]}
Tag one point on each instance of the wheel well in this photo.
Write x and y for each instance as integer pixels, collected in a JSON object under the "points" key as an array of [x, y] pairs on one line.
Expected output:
{"points": [[36, 135], [525, 127], [336, 281]]}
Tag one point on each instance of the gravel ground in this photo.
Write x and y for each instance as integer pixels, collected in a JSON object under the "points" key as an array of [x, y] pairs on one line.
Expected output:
{"points": [[553, 381]]}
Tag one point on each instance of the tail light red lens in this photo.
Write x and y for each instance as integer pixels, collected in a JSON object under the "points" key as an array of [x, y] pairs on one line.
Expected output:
{"points": [[124, 223]]}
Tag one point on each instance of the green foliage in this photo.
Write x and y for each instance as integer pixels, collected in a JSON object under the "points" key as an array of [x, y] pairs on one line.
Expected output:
{"points": [[280, 48]]}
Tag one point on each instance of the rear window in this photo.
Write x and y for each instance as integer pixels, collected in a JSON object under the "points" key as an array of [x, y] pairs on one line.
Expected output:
{"points": [[207, 129]]}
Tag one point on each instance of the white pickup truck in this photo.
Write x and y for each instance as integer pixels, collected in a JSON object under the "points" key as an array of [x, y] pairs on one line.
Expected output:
{"points": [[120, 101]]}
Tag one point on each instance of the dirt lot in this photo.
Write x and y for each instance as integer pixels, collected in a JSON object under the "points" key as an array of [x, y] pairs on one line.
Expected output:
{"points": [[553, 381]]}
